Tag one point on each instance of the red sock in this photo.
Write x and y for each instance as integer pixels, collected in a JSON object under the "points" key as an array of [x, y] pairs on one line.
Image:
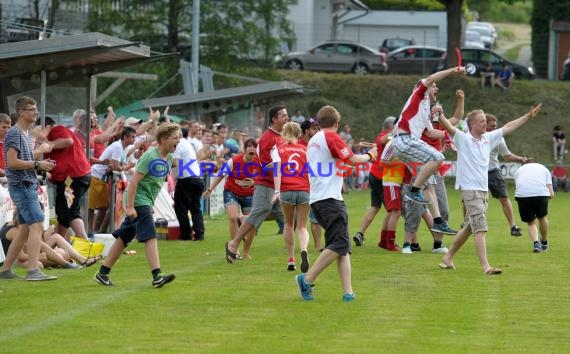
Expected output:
{"points": [[382, 239]]}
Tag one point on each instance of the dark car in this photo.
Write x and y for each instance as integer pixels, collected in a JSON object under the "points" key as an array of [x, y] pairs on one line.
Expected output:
{"points": [[390, 44], [480, 58], [566, 69], [415, 59], [336, 56]]}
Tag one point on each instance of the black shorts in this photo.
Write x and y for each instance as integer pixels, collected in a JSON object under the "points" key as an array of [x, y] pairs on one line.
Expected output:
{"points": [[331, 215], [65, 212], [497, 185], [531, 208], [376, 195]]}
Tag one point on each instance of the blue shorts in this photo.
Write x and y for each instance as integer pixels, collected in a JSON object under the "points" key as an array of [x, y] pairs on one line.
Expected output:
{"points": [[142, 227], [25, 198], [243, 202]]}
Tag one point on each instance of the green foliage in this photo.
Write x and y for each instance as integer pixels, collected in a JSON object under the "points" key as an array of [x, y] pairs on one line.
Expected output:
{"points": [[511, 11], [417, 5]]}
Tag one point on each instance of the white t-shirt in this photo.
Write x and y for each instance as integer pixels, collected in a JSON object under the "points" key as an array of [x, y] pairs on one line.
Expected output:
{"points": [[196, 143], [415, 117], [531, 180], [473, 159], [324, 152], [116, 152], [185, 156], [500, 149]]}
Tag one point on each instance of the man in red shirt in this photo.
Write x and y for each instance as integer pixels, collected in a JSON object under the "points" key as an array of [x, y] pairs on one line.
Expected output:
{"points": [[69, 155], [559, 177], [266, 193], [5, 123]]}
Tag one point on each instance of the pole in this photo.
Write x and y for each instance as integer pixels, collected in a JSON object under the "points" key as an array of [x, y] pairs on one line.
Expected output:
{"points": [[195, 42]]}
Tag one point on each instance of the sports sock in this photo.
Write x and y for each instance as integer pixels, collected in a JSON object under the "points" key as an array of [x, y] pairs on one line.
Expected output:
{"points": [[438, 220], [155, 273], [414, 189], [436, 244], [104, 270]]}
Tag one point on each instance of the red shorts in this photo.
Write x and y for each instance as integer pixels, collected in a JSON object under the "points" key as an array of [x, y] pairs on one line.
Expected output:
{"points": [[392, 198]]}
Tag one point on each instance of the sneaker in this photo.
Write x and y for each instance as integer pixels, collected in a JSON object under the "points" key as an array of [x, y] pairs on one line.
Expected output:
{"points": [[305, 289], [407, 250], [162, 279], [441, 250], [37, 275], [536, 248], [358, 239], [304, 262], [103, 279], [348, 297], [72, 265], [291, 265], [544, 247], [416, 248], [9, 274], [516, 231], [417, 197], [443, 228], [394, 248]]}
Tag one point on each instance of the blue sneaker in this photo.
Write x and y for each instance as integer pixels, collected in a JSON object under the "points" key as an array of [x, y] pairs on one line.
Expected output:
{"points": [[443, 228], [417, 197], [348, 297], [536, 248], [544, 247], [304, 288]]}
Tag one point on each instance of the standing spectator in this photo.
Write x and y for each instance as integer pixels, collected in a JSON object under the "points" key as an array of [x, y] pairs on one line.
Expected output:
{"points": [[267, 183], [297, 117], [23, 187], [193, 133], [188, 191], [559, 143], [294, 194], [376, 188], [70, 162], [533, 189], [325, 149], [408, 146], [560, 177], [473, 155], [5, 123], [141, 195], [505, 77], [497, 185], [345, 133]]}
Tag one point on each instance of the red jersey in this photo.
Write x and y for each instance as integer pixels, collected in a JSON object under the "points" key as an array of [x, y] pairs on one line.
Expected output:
{"points": [[70, 161], [293, 160], [267, 145], [376, 168], [98, 148], [240, 171], [435, 143], [559, 172]]}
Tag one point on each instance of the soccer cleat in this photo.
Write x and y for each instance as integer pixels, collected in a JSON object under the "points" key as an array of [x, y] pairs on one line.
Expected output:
{"points": [[103, 279], [441, 250], [516, 231], [9, 274], [305, 289], [161, 280], [417, 197], [358, 239], [304, 262], [544, 247], [407, 250], [443, 228], [536, 248], [348, 297], [291, 264], [37, 275]]}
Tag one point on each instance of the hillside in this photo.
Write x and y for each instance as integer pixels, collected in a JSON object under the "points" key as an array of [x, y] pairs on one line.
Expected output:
{"points": [[364, 101]]}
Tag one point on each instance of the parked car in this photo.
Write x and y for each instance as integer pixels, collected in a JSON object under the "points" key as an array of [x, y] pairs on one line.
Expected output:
{"points": [[473, 40], [566, 69], [489, 25], [336, 56], [480, 58], [390, 44], [486, 35], [415, 59]]}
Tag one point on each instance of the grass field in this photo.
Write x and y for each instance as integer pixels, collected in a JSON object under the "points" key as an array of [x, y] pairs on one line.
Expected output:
{"points": [[405, 303]]}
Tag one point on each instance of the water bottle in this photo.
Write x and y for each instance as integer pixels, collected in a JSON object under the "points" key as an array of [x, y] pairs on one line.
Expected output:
{"points": [[436, 114]]}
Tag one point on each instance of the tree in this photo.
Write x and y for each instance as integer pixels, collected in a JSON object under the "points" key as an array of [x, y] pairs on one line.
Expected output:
{"points": [[454, 29]]}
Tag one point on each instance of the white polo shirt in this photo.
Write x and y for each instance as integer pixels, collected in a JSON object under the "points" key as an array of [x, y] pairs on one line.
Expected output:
{"points": [[473, 157]]}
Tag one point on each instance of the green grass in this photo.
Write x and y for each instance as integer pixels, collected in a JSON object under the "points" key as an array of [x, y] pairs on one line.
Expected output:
{"points": [[405, 304], [512, 54]]}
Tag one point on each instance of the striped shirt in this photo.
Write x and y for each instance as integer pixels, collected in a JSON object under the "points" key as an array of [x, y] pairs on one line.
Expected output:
{"points": [[23, 144]]}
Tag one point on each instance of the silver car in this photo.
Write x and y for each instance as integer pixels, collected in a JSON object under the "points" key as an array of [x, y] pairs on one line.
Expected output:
{"points": [[414, 59], [336, 56]]}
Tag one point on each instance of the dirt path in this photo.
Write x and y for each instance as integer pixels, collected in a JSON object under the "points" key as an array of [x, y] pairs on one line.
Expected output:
{"points": [[522, 33]]}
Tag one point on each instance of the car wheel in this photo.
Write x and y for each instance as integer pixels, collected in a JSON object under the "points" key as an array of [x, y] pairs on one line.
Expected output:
{"points": [[360, 69], [294, 65]]}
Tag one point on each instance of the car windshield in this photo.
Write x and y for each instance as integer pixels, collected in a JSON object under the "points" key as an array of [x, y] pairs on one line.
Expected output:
{"points": [[472, 36], [481, 30]]}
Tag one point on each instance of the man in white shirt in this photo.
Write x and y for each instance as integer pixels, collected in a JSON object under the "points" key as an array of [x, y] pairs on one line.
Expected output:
{"points": [[533, 184], [473, 155], [193, 131], [188, 190]]}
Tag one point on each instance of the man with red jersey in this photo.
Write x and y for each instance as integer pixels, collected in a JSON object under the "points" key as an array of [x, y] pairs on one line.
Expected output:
{"points": [[69, 155], [375, 183], [324, 152], [238, 189], [408, 146], [266, 193]]}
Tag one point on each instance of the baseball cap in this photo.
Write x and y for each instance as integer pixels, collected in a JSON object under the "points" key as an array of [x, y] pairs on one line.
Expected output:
{"points": [[133, 120], [308, 123]]}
